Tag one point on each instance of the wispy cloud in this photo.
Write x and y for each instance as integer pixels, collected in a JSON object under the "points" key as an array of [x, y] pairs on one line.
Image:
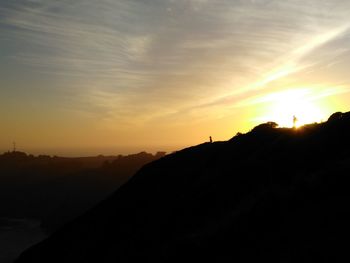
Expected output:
{"points": [[139, 60], [306, 93], [290, 63]]}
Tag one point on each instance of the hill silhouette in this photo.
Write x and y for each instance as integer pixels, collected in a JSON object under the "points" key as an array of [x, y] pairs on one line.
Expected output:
{"points": [[274, 194], [55, 190]]}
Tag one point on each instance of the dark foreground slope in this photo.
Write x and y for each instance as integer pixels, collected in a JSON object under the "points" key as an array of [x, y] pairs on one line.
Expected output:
{"points": [[280, 195]]}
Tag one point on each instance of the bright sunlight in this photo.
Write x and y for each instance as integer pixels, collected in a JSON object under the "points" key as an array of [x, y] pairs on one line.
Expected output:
{"points": [[287, 104]]}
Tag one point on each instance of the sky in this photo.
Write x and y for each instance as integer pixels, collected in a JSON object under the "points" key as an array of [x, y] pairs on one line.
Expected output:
{"points": [[83, 77]]}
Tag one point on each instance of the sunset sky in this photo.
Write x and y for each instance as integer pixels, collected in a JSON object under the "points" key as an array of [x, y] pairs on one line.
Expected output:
{"points": [[82, 77]]}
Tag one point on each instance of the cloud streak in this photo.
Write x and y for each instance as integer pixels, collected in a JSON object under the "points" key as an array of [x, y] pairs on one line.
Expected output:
{"points": [[139, 60]]}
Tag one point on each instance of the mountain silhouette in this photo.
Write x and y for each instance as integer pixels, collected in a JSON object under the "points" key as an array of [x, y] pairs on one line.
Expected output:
{"points": [[274, 194], [55, 190]]}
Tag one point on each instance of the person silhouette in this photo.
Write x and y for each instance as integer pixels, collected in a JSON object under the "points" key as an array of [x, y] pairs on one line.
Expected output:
{"points": [[210, 139], [295, 119]]}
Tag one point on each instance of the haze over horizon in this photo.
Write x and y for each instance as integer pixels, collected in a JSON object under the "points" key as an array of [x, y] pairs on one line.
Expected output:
{"points": [[146, 75]]}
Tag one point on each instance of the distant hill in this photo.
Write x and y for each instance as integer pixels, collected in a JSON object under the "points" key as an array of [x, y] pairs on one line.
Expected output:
{"points": [[273, 194], [54, 190]]}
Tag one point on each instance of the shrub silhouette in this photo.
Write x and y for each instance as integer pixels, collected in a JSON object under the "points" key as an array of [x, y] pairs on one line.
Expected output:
{"points": [[335, 116], [267, 126]]}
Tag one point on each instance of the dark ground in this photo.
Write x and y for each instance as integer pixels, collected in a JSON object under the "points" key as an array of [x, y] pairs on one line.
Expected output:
{"points": [[273, 194]]}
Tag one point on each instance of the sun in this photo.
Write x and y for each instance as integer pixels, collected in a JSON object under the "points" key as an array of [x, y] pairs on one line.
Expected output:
{"points": [[283, 106]]}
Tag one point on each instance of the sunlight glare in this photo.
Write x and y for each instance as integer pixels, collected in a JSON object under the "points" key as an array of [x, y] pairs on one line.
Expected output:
{"points": [[286, 104]]}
